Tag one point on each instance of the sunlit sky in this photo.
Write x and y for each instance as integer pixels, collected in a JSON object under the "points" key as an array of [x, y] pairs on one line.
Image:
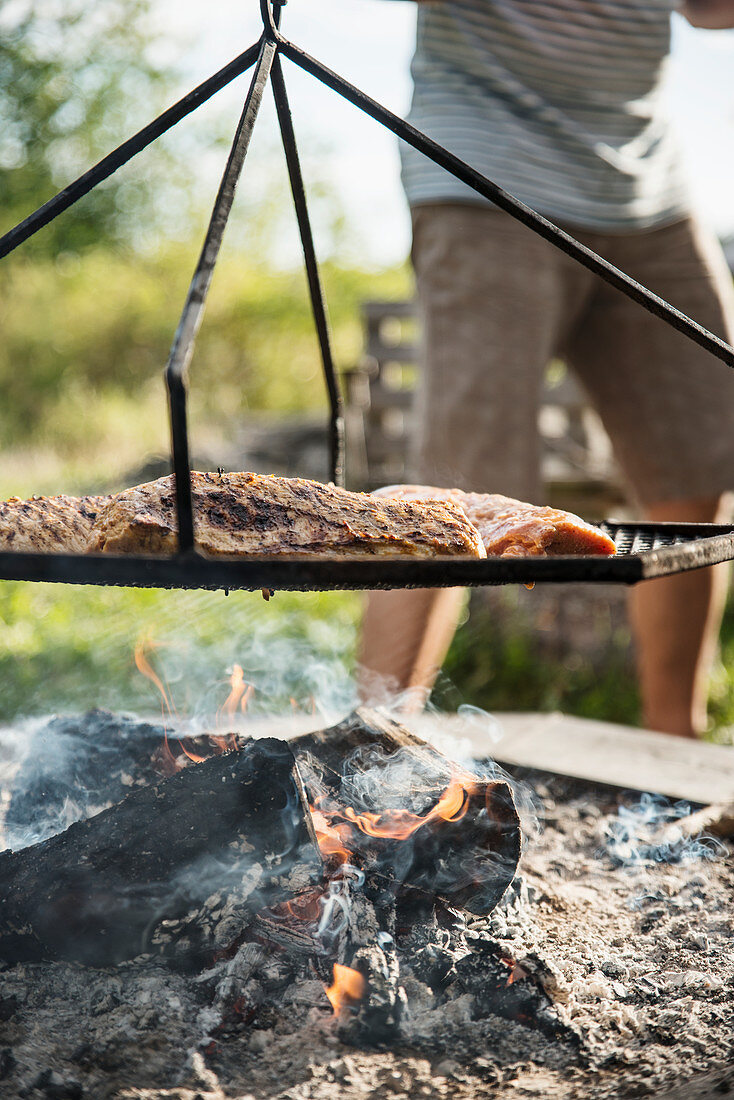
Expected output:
{"points": [[370, 43]]}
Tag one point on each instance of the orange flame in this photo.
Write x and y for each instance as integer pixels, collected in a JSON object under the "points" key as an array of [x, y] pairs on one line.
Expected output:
{"points": [[239, 696], [348, 988], [400, 824], [143, 665], [333, 838]]}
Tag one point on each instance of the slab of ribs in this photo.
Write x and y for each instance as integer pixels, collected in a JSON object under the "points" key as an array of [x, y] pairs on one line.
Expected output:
{"points": [[246, 514]]}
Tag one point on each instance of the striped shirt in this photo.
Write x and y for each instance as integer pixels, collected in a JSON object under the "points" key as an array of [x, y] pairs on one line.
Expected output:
{"points": [[558, 101]]}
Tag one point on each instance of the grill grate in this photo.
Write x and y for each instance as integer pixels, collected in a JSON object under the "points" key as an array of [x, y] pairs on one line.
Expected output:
{"points": [[644, 550]]}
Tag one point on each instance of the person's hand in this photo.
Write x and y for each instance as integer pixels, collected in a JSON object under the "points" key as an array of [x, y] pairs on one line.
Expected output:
{"points": [[713, 15]]}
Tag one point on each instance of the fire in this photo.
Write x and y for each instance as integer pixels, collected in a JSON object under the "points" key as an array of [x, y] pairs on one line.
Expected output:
{"points": [[333, 838], [348, 988], [400, 824], [142, 648], [239, 696]]}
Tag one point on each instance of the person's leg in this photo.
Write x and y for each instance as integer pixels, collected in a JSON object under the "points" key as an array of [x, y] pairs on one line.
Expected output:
{"points": [[493, 298], [669, 410], [676, 621], [405, 637]]}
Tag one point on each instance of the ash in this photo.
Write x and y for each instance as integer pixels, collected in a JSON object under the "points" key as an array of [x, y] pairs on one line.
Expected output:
{"points": [[607, 970]]}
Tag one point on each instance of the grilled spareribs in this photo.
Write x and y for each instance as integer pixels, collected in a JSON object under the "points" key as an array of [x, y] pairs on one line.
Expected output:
{"points": [[48, 524], [257, 514], [512, 528], [248, 514]]}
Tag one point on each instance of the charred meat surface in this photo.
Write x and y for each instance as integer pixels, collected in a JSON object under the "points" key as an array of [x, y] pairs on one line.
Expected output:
{"points": [[513, 528], [261, 514], [241, 514], [59, 524], [246, 514]]}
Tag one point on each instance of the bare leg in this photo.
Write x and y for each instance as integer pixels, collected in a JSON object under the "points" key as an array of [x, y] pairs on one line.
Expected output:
{"points": [[405, 637], [676, 623]]}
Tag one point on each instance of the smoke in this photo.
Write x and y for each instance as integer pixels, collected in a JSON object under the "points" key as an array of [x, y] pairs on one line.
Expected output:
{"points": [[283, 674], [641, 835], [336, 904]]}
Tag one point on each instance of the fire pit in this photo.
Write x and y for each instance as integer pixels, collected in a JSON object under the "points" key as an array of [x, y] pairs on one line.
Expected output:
{"points": [[229, 931]]}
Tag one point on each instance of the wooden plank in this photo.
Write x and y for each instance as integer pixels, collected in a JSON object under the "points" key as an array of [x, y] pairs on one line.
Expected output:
{"points": [[601, 752]]}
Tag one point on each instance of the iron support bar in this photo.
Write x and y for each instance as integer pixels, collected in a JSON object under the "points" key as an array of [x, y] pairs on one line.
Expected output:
{"points": [[318, 306], [511, 205], [193, 311], [125, 152], [270, 12]]}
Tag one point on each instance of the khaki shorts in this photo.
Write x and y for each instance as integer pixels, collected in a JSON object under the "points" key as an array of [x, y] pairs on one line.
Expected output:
{"points": [[498, 303]]}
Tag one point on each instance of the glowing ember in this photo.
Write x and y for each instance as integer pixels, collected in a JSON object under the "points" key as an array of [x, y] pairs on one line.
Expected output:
{"points": [[349, 987]]}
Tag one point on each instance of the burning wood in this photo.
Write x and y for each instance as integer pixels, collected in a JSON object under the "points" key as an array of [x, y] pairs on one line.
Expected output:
{"points": [[460, 840], [97, 892], [399, 827], [584, 972], [348, 988]]}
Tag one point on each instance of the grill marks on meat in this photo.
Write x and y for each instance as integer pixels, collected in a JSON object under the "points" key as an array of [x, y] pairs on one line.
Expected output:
{"points": [[59, 524], [512, 528], [258, 514], [255, 514]]}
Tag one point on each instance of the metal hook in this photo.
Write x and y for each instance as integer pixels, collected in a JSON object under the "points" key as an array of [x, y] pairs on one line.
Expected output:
{"points": [[270, 11]]}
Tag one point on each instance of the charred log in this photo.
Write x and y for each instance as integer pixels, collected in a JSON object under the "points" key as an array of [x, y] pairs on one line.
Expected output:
{"points": [[101, 891], [467, 858], [77, 765], [375, 1019], [512, 988]]}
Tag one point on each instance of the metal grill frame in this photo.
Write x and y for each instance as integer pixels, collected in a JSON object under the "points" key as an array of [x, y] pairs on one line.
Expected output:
{"points": [[678, 546], [645, 550]]}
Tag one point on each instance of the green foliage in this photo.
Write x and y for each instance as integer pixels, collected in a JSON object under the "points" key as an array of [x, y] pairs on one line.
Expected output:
{"points": [[65, 648], [506, 657], [721, 699], [86, 338], [75, 80], [499, 662]]}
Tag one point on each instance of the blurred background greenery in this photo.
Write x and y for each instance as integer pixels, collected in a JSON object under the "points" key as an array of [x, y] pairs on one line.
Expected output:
{"points": [[88, 308]]}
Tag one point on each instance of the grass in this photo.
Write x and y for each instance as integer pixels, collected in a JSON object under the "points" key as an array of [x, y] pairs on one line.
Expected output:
{"points": [[500, 661], [68, 648], [85, 341]]}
